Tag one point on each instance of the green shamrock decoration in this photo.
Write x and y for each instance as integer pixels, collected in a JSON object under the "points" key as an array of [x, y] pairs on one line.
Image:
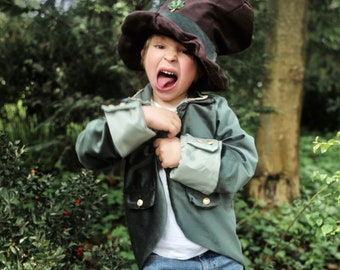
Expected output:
{"points": [[176, 4]]}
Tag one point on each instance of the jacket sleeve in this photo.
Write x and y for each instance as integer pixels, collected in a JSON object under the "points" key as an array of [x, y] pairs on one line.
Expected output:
{"points": [[104, 140], [222, 164]]}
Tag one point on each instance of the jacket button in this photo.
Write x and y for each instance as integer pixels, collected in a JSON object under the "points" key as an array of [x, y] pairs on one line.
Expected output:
{"points": [[206, 201], [210, 142], [140, 202]]}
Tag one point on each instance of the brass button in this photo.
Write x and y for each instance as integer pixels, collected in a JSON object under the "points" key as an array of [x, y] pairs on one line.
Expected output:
{"points": [[206, 201], [140, 202], [210, 142], [199, 140]]}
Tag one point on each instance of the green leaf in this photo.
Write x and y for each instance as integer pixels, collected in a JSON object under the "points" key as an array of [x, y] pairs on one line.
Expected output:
{"points": [[176, 4], [319, 221], [316, 147], [324, 147], [326, 229], [281, 254], [13, 249], [23, 239]]}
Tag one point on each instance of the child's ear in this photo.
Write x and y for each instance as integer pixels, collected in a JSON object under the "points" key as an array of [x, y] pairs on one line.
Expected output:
{"points": [[142, 57]]}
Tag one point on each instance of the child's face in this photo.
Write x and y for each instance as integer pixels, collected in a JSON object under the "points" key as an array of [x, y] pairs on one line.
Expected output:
{"points": [[169, 68]]}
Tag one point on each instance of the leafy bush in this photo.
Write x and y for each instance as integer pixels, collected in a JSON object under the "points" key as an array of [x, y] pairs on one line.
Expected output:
{"points": [[49, 222], [304, 234]]}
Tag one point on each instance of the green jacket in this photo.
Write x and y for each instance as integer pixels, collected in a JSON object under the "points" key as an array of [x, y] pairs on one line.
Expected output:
{"points": [[217, 159]]}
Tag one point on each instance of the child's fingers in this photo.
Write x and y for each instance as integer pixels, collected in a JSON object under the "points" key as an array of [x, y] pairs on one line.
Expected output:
{"points": [[162, 120]]}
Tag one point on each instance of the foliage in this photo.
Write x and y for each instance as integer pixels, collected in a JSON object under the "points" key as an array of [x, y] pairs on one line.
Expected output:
{"points": [[304, 235], [324, 146], [303, 246], [16, 115], [321, 109], [49, 221], [329, 180], [66, 67], [55, 151]]}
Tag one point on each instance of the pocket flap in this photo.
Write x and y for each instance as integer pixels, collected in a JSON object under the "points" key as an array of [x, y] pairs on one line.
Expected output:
{"points": [[202, 200], [209, 145], [140, 199]]}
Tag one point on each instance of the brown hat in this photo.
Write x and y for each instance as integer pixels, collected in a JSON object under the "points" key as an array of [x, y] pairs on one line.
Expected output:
{"points": [[207, 28]]}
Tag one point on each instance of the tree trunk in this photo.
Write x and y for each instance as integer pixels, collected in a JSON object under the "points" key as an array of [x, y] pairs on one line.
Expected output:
{"points": [[277, 138]]}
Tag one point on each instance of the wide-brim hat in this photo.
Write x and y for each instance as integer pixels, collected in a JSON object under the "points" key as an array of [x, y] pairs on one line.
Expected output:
{"points": [[207, 28]]}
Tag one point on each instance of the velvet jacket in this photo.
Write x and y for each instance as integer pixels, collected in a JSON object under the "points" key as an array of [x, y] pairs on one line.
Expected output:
{"points": [[217, 159]]}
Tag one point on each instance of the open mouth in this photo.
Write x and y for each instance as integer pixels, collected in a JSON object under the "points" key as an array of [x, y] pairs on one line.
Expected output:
{"points": [[166, 80]]}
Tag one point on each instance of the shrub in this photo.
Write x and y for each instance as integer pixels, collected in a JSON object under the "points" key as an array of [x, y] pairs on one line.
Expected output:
{"points": [[301, 235], [57, 222]]}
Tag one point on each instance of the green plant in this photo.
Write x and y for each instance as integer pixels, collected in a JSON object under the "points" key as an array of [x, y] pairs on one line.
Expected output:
{"points": [[301, 235], [331, 225], [51, 221], [23, 238]]}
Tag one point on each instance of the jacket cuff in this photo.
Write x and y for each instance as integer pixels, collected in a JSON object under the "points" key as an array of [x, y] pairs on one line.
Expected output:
{"points": [[199, 165], [127, 127]]}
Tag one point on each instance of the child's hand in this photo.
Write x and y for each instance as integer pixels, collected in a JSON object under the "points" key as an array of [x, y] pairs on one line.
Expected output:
{"points": [[162, 120], [168, 151]]}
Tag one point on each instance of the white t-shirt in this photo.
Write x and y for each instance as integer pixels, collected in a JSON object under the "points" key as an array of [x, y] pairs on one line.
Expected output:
{"points": [[174, 243]]}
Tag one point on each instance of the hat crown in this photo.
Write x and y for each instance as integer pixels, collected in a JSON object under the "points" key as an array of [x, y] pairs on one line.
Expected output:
{"points": [[227, 23], [205, 27]]}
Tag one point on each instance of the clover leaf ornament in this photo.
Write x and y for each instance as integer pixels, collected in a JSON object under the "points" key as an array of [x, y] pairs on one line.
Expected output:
{"points": [[176, 4]]}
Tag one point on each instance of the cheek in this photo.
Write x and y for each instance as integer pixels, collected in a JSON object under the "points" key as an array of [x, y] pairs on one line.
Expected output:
{"points": [[150, 70], [151, 62], [191, 71], [146, 56]]}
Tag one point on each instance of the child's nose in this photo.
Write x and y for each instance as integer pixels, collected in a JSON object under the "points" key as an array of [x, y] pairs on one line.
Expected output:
{"points": [[170, 55]]}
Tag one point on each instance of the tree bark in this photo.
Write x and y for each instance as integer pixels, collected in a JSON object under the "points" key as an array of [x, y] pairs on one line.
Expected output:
{"points": [[277, 176]]}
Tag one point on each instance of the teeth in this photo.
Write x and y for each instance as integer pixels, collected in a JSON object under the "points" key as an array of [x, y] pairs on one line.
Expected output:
{"points": [[168, 73]]}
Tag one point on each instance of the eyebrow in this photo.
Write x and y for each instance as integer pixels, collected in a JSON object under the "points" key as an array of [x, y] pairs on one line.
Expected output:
{"points": [[157, 38]]}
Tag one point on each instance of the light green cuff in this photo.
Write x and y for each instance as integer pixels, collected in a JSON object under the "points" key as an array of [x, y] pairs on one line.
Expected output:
{"points": [[127, 127], [199, 165]]}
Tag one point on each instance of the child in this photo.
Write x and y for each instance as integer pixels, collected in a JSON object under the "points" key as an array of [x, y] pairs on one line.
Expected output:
{"points": [[185, 153]]}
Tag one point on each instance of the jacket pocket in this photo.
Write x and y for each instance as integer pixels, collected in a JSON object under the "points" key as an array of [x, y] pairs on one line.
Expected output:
{"points": [[202, 200], [140, 198], [140, 178]]}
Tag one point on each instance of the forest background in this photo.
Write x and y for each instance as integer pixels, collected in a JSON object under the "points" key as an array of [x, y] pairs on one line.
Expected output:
{"points": [[59, 64]]}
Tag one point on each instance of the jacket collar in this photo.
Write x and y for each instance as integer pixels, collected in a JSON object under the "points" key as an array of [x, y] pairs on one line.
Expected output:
{"points": [[144, 96]]}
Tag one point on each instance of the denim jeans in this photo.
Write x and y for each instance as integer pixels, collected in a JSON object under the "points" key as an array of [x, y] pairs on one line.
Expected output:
{"points": [[207, 261]]}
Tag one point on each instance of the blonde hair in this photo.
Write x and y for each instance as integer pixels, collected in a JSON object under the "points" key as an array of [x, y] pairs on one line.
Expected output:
{"points": [[145, 49]]}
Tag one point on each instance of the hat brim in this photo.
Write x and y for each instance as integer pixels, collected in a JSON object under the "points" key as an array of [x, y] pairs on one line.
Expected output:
{"points": [[140, 25]]}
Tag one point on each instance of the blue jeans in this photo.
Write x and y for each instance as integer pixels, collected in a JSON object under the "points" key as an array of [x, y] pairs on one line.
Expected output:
{"points": [[207, 261]]}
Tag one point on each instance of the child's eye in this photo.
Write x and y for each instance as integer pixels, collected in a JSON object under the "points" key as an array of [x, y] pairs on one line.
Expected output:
{"points": [[159, 46], [184, 51]]}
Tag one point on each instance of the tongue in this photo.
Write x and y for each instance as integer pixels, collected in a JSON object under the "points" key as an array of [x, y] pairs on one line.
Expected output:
{"points": [[165, 81]]}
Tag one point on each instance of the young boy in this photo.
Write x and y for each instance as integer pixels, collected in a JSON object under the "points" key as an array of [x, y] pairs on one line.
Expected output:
{"points": [[185, 153]]}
